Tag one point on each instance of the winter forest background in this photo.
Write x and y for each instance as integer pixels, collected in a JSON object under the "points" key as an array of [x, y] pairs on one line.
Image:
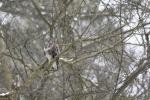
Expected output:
{"points": [[104, 49]]}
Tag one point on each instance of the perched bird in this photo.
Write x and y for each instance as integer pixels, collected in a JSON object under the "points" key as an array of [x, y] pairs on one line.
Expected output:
{"points": [[51, 51]]}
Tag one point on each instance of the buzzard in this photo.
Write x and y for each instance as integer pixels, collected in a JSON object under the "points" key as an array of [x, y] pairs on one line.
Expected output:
{"points": [[51, 52]]}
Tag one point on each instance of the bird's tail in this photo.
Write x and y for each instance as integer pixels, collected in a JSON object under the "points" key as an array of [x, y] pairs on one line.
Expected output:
{"points": [[57, 63]]}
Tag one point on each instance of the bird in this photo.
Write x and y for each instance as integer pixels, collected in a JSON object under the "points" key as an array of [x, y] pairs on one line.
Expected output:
{"points": [[51, 51]]}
